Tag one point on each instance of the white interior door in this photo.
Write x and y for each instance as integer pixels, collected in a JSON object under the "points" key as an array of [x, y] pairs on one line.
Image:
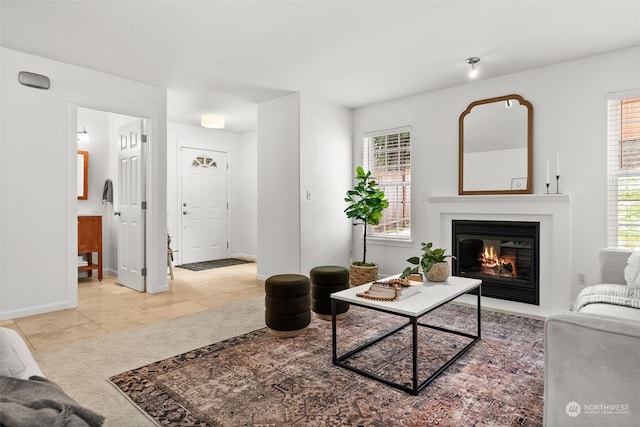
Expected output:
{"points": [[130, 197], [203, 207]]}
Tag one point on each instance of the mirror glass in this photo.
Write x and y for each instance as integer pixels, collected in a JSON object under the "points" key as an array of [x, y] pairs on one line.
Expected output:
{"points": [[83, 174], [496, 147]]}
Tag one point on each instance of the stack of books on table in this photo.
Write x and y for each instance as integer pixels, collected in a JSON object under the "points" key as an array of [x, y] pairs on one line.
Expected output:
{"points": [[386, 289]]}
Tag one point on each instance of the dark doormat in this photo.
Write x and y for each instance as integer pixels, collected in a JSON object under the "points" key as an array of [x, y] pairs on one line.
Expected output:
{"points": [[208, 265]]}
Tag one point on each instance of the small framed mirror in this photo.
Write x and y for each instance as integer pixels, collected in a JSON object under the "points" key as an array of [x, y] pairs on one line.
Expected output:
{"points": [[496, 147], [83, 175]]}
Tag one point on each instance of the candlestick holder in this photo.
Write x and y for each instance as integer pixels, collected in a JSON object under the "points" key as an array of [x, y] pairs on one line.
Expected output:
{"points": [[547, 188], [557, 184]]}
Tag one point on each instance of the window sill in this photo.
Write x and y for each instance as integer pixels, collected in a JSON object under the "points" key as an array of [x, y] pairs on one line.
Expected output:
{"points": [[389, 242]]}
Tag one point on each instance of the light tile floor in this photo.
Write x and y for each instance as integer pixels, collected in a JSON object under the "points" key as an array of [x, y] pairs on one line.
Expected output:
{"points": [[105, 307]]}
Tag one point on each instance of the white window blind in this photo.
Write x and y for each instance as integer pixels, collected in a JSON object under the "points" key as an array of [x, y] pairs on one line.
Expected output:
{"points": [[624, 172], [387, 154]]}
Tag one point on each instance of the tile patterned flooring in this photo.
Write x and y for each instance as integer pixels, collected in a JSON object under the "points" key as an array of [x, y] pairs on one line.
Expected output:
{"points": [[105, 307]]}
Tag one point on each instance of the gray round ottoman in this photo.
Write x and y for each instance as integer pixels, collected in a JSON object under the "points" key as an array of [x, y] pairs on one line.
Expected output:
{"points": [[287, 304], [325, 280]]}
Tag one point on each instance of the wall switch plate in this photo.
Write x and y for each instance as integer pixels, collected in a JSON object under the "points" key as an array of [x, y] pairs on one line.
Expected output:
{"points": [[582, 279]]}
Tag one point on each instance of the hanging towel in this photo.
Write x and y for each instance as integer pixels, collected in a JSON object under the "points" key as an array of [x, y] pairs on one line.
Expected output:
{"points": [[107, 193]]}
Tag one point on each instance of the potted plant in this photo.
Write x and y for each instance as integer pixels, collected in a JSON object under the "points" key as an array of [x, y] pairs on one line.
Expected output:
{"points": [[366, 203], [432, 262]]}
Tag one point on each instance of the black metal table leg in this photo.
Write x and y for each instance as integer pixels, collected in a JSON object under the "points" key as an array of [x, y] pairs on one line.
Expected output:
{"points": [[414, 324], [416, 386], [333, 330]]}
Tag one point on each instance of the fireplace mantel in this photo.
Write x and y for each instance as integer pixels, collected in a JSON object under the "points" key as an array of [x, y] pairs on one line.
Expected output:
{"points": [[552, 211], [506, 198]]}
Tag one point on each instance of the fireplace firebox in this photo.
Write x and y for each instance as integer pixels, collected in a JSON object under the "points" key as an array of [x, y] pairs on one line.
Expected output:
{"points": [[503, 254]]}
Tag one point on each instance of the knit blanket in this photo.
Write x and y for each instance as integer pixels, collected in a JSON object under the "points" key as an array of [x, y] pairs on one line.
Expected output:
{"points": [[40, 402], [608, 294]]}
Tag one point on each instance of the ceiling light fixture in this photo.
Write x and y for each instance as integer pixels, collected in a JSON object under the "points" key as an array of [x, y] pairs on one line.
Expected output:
{"points": [[212, 121], [83, 135], [473, 73]]}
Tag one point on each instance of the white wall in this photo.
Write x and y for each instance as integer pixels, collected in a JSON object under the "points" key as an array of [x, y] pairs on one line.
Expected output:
{"points": [[97, 125], [304, 158], [242, 183], [244, 193], [279, 186], [569, 109], [325, 177], [38, 224]]}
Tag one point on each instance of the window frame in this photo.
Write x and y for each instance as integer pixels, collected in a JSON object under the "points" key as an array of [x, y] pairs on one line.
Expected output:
{"points": [[369, 155], [616, 172]]}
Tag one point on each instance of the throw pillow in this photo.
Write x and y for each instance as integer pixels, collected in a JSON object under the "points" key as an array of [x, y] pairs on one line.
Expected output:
{"points": [[632, 270]]}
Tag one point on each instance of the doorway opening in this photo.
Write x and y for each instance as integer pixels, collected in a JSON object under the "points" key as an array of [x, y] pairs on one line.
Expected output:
{"points": [[116, 192]]}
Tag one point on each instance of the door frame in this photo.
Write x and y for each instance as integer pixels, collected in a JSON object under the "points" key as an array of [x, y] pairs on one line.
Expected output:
{"points": [[178, 207], [147, 125]]}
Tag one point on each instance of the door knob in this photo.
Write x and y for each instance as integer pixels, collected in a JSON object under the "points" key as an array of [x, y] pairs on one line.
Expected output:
{"points": [[185, 212], [117, 213], [184, 204]]}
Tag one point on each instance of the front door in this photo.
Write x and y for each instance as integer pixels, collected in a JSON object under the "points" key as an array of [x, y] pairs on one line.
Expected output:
{"points": [[130, 197], [203, 208]]}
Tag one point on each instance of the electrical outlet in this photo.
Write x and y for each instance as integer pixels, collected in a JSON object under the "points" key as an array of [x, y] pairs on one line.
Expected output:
{"points": [[582, 279]]}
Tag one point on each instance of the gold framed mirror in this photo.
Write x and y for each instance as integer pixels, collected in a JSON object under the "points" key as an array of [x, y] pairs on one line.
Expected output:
{"points": [[496, 147], [83, 175]]}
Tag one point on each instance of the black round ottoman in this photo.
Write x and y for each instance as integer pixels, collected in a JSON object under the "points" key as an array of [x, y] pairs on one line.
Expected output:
{"points": [[325, 280], [287, 304]]}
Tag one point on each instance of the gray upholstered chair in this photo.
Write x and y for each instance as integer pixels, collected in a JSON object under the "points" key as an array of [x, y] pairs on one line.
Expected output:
{"points": [[592, 357]]}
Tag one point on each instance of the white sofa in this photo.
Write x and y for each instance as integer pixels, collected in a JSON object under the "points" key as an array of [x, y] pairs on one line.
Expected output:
{"points": [[15, 358], [29, 399], [592, 355]]}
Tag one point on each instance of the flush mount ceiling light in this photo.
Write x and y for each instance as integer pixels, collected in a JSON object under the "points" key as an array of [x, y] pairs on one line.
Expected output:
{"points": [[212, 121], [473, 73], [83, 135]]}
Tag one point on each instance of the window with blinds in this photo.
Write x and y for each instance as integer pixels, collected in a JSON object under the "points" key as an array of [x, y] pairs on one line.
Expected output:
{"points": [[388, 156], [624, 172]]}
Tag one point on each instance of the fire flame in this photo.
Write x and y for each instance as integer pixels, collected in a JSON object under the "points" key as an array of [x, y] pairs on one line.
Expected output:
{"points": [[493, 264]]}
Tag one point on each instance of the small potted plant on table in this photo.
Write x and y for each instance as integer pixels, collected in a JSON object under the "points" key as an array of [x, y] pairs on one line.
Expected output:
{"points": [[366, 205], [432, 262]]}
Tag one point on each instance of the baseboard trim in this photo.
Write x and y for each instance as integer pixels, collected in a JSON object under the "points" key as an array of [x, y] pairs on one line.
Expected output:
{"points": [[30, 311]]}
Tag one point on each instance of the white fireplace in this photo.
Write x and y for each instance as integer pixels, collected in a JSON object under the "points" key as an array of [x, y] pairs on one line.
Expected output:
{"points": [[552, 211]]}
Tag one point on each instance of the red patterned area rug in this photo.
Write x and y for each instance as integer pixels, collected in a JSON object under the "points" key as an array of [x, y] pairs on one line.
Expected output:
{"points": [[259, 380]]}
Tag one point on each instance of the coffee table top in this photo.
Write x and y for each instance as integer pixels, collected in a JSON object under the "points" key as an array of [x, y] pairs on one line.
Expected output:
{"points": [[430, 296]]}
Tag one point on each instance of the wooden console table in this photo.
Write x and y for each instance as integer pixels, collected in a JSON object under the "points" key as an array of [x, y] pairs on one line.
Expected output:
{"points": [[90, 241]]}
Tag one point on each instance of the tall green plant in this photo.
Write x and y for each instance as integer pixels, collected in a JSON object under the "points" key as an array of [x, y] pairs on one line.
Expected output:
{"points": [[366, 204]]}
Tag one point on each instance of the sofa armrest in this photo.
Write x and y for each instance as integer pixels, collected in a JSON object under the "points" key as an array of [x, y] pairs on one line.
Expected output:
{"points": [[591, 360], [15, 358], [612, 264]]}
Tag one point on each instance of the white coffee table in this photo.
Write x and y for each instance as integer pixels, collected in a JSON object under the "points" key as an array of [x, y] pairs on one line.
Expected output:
{"points": [[430, 297]]}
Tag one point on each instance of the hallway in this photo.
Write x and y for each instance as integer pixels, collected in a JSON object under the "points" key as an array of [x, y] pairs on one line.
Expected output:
{"points": [[105, 307]]}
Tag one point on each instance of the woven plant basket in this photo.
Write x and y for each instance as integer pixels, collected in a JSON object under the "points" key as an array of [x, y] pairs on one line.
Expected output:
{"points": [[439, 272], [359, 275]]}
